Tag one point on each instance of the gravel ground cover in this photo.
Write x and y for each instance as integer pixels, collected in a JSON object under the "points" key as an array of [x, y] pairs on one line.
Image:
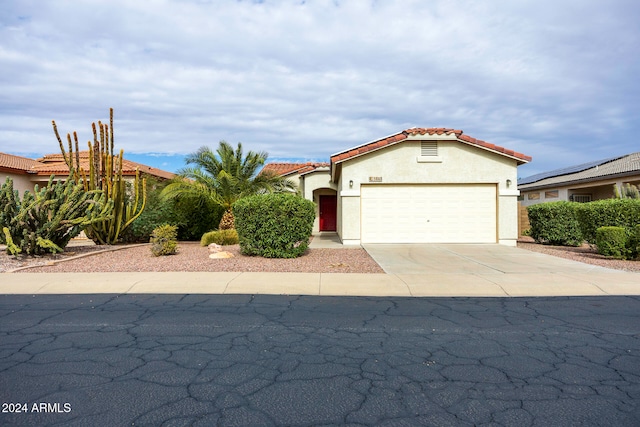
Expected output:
{"points": [[193, 257], [584, 253]]}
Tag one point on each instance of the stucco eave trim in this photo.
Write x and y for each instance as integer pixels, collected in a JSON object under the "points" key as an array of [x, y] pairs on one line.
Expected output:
{"points": [[355, 156], [14, 171], [517, 159], [365, 144], [317, 170]]}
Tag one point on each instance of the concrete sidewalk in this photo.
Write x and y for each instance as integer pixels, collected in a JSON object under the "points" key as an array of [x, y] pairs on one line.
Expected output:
{"points": [[412, 271], [327, 284]]}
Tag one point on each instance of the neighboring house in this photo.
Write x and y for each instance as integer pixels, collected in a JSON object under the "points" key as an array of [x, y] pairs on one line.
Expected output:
{"points": [[19, 169], [418, 186], [293, 171], [26, 173], [581, 183]]}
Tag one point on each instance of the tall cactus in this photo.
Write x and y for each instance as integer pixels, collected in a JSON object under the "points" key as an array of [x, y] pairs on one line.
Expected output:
{"points": [[105, 173], [47, 218]]}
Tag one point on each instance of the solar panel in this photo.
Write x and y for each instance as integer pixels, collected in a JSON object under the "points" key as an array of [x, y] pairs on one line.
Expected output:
{"points": [[565, 171]]}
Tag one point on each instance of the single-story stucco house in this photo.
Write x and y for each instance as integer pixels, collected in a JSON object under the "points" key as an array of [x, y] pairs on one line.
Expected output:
{"points": [[581, 183], [422, 185], [26, 173]]}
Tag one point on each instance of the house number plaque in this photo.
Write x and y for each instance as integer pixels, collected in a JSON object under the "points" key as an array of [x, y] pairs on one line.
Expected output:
{"points": [[375, 179]]}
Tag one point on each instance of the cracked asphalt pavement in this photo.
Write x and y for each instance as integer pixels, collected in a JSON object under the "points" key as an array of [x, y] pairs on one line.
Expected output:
{"points": [[240, 360]]}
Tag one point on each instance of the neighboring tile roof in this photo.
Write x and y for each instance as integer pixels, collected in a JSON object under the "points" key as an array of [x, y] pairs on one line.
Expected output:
{"points": [[284, 169], [18, 163], [54, 164], [375, 145], [592, 171]]}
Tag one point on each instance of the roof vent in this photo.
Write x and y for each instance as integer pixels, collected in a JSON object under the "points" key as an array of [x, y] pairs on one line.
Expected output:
{"points": [[428, 148]]}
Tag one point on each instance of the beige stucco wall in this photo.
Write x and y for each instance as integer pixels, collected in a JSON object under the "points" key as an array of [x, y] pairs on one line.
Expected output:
{"points": [[456, 163], [315, 180], [21, 182], [295, 179]]}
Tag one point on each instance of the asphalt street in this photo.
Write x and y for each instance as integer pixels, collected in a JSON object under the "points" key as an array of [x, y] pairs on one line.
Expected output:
{"points": [[203, 360]]}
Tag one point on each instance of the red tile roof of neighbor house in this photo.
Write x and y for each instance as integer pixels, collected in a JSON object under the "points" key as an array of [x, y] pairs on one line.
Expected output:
{"points": [[18, 163], [375, 145], [283, 169], [54, 164]]}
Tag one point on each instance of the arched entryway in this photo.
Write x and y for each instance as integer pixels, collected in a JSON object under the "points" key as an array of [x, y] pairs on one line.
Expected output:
{"points": [[327, 209]]}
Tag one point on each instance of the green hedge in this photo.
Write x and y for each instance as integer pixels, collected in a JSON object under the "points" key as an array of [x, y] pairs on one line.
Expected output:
{"points": [[555, 223], [607, 213], [274, 225], [569, 223]]}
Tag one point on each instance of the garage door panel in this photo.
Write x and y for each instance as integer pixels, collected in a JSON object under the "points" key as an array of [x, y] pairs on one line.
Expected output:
{"points": [[428, 214]]}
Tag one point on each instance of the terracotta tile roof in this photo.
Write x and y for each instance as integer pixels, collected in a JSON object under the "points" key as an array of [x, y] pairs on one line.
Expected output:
{"points": [[283, 169], [18, 163], [593, 171], [160, 173], [54, 164], [458, 134]]}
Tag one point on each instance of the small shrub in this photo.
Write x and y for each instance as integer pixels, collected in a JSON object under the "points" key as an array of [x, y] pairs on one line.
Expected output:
{"points": [[220, 237], [274, 225], [164, 240], [555, 223], [612, 242]]}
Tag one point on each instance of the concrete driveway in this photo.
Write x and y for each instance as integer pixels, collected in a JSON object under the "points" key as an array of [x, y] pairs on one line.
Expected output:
{"points": [[470, 259], [495, 270]]}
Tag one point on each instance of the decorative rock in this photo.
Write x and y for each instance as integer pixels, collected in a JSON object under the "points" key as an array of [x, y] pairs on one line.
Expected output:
{"points": [[214, 247], [222, 254]]}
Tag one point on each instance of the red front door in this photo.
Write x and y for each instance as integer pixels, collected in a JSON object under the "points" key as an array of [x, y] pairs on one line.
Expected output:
{"points": [[328, 206]]}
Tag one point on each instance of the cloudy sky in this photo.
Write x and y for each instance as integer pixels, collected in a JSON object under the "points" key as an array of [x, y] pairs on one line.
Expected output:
{"points": [[558, 80]]}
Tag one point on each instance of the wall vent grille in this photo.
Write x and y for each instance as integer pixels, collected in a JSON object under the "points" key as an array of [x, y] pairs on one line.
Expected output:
{"points": [[429, 148]]}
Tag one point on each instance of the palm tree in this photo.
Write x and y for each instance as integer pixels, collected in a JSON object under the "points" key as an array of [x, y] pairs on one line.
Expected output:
{"points": [[224, 177]]}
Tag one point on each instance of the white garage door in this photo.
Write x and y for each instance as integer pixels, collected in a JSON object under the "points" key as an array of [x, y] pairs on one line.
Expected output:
{"points": [[428, 213]]}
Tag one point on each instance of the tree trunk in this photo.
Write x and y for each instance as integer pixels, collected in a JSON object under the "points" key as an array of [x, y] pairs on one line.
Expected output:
{"points": [[227, 222]]}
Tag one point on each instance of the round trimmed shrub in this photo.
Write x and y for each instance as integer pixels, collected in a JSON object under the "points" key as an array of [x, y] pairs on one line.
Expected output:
{"points": [[274, 225]]}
